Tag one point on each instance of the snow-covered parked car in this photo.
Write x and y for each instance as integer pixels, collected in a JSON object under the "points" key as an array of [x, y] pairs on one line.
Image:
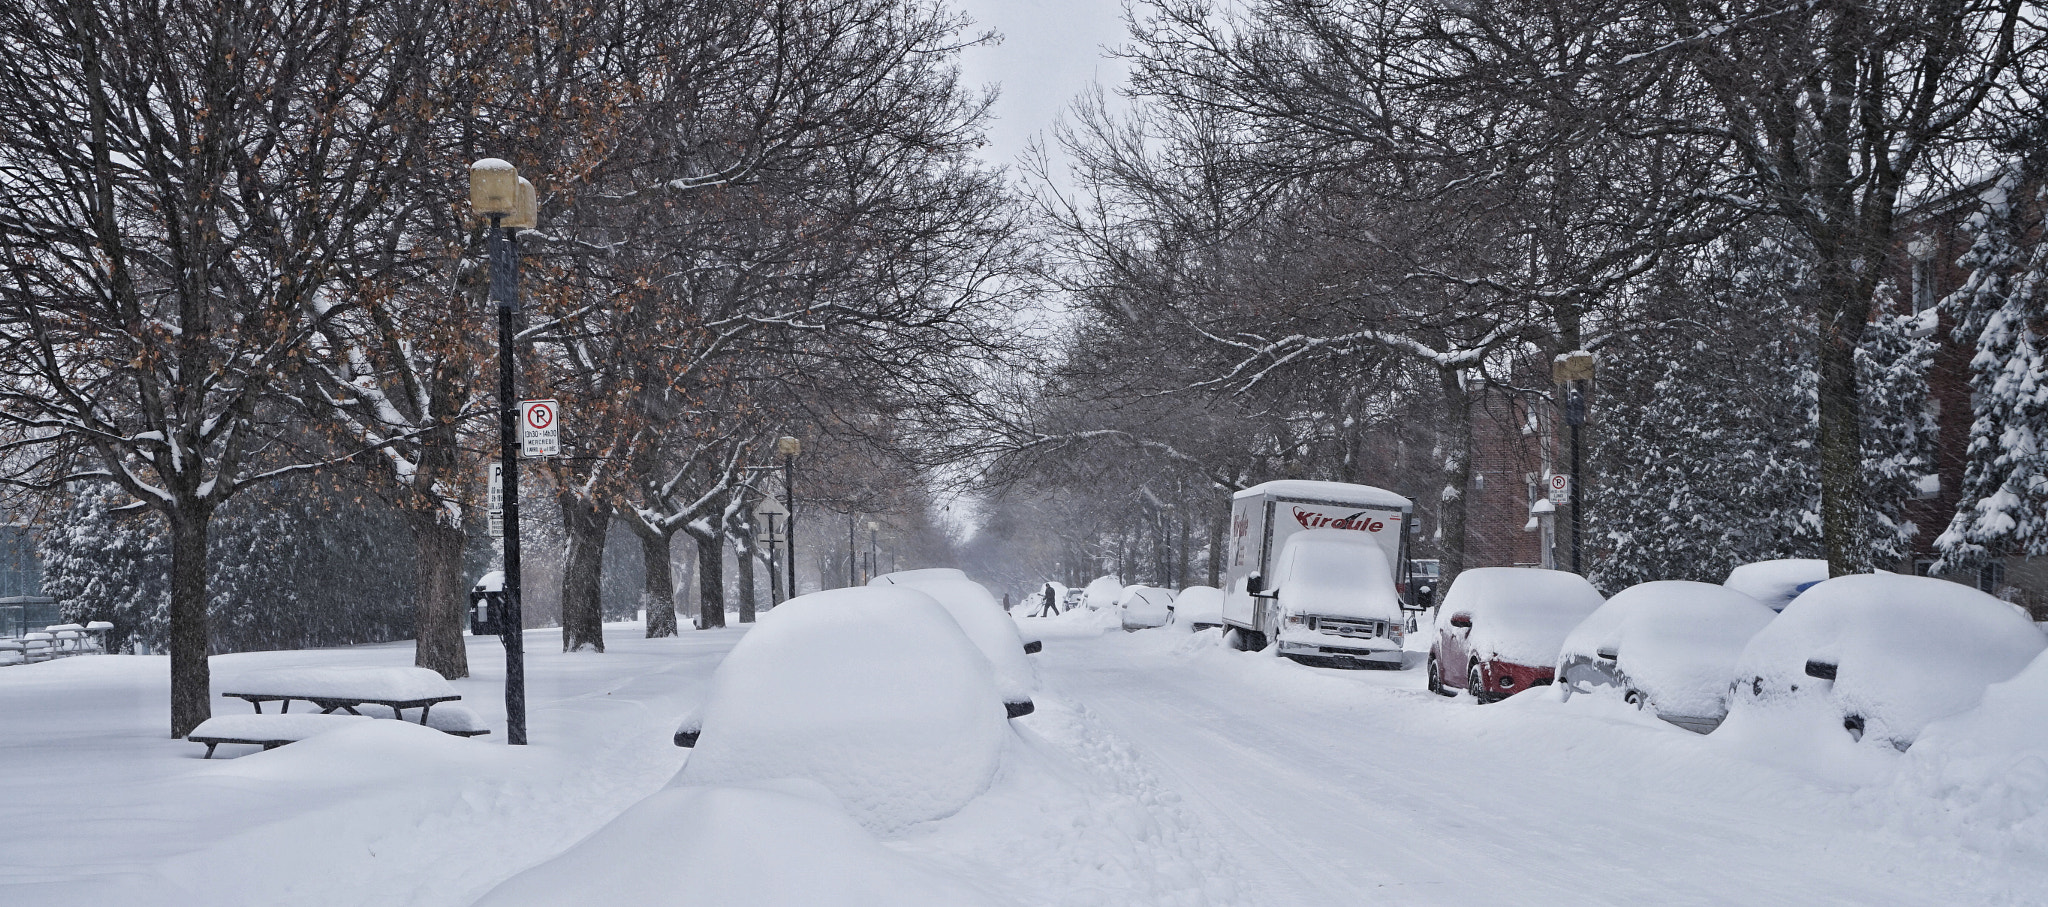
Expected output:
{"points": [[1336, 600], [1873, 658], [985, 622], [1102, 592], [875, 693], [1143, 607], [1198, 607], [1668, 647], [1777, 582], [1499, 629]]}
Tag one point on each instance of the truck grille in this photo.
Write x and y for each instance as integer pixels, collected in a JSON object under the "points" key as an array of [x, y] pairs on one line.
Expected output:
{"points": [[1360, 628]]}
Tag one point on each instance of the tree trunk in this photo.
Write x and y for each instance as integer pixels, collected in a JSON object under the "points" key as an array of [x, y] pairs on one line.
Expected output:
{"points": [[584, 522], [191, 675], [1457, 474], [658, 590], [1842, 519], [743, 561], [1180, 563], [710, 581], [440, 600], [1217, 527]]}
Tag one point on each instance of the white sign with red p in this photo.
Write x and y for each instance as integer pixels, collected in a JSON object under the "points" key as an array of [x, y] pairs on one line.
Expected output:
{"points": [[540, 433]]}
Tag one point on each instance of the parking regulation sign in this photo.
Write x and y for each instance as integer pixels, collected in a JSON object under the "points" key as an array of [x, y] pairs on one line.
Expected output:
{"points": [[1560, 489], [540, 433]]}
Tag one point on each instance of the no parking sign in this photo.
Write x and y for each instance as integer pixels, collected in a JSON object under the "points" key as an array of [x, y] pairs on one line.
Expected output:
{"points": [[1560, 489], [540, 433]]}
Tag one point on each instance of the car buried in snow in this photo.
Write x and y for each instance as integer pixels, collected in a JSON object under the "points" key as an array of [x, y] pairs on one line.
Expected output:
{"points": [[1144, 607], [1777, 582], [1499, 629], [1198, 607], [1666, 647]]}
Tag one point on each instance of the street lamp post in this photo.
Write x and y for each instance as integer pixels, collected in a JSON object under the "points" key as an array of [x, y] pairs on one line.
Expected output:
{"points": [[874, 549], [789, 447], [1574, 371], [497, 191]]}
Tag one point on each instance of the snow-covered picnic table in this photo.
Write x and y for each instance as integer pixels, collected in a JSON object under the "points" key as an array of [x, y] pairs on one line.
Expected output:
{"points": [[345, 688]]}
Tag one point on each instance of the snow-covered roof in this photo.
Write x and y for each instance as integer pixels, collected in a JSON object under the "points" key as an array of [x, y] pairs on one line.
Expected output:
{"points": [[1326, 491]]}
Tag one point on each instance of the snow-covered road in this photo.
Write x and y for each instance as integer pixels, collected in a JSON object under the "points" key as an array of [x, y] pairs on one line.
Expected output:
{"points": [[1160, 768], [1329, 787]]}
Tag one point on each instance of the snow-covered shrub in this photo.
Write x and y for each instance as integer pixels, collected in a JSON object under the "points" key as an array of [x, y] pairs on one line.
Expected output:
{"points": [[875, 693], [1904, 651]]}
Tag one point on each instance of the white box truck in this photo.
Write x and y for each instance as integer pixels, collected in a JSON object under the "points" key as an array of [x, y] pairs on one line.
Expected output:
{"points": [[1316, 567]]}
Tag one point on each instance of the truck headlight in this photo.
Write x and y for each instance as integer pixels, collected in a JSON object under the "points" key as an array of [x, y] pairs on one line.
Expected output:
{"points": [[1298, 620]]}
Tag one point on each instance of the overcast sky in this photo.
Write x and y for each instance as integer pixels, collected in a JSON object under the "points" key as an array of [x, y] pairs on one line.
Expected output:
{"points": [[1052, 50]]}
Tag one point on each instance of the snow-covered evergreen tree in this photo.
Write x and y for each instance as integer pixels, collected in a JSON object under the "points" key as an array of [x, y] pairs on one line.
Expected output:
{"points": [[1704, 456], [1999, 310], [1898, 432]]}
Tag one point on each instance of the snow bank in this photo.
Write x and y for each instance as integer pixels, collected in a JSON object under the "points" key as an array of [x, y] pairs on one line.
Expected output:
{"points": [[1102, 592], [1775, 583], [1335, 573], [1519, 614], [775, 845], [1145, 606], [1907, 650], [1675, 641], [981, 618], [875, 693], [271, 727], [1989, 768], [1079, 623], [1198, 605]]}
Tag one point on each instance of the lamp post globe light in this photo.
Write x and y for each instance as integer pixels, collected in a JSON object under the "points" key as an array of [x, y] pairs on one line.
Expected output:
{"points": [[499, 193], [789, 447]]}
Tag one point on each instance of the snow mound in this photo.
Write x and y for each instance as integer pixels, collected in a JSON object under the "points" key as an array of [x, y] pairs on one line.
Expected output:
{"points": [[1102, 592], [875, 693], [1079, 623], [1776, 583], [1519, 614], [981, 618], [1198, 605], [1906, 651], [1145, 606], [1675, 641], [1989, 766], [271, 727], [776, 845]]}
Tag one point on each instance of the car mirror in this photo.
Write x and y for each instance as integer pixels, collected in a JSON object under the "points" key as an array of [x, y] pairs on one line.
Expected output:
{"points": [[1608, 654], [1820, 669], [1255, 584], [1461, 621]]}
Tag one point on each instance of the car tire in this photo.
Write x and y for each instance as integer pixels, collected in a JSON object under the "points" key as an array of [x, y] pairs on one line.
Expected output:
{"points": [[1475, 685], [1435, 678], [1634, 698]]}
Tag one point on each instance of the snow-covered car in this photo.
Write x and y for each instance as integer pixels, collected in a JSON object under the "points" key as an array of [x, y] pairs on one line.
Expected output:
{"points": [[1777, 582], [1668, 647], [1873, 658], [1102, 592], [1199, 607], [1336, 600], [1143, 607], [984, 621], [1499, 629], [875, 693]]}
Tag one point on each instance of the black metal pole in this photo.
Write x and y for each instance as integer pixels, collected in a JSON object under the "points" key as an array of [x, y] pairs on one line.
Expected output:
{"points": [[505, 291], [789, 519], [1575, 416]]}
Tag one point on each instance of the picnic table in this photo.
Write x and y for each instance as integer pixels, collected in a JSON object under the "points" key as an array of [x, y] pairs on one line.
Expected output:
{"points": [[345, 689]]}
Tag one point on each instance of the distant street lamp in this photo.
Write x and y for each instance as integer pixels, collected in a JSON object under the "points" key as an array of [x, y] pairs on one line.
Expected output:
{"points": [[874, 558], [1574, 372], [789, 447], [497, 191]]}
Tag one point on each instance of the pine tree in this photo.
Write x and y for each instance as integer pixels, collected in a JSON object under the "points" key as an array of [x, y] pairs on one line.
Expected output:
{"points": [[2004, 503]]}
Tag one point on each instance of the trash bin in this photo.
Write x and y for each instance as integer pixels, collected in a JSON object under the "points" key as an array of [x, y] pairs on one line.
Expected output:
{"points": [[487, 605]]}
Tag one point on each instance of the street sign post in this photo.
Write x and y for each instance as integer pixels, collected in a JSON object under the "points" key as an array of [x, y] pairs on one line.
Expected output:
{"points": [[540, 433], [1560, 488]]}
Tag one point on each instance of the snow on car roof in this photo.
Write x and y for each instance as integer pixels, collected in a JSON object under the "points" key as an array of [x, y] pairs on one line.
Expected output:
{"points": [[1519, 614], [1326, 491], [981, 618], [1776, 582]]}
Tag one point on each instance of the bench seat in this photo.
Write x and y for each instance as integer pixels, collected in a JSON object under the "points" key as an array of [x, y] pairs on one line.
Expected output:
{"points": [[267, 731]]}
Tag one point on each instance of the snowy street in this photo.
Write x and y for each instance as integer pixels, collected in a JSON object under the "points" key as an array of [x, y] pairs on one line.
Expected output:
{"points": [[1160, 768]]}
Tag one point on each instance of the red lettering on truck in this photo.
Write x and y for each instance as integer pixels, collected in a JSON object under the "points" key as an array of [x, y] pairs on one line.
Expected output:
{"points": [[1356, 521]]}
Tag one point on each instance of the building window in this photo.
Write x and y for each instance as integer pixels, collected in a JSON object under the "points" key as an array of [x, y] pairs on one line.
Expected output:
{"points": [[1921, 251]]}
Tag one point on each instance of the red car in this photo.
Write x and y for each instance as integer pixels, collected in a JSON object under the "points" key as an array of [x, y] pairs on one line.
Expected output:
{"points": [[1499, 629]]}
